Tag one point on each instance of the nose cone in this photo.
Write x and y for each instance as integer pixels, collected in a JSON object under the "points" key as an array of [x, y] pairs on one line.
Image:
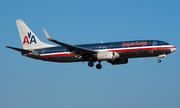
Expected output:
{"points": [[173, 49]]}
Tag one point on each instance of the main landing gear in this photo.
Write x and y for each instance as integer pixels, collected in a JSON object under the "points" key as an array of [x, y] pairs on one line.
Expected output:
{"points": [[99, 66], [91, 64]]}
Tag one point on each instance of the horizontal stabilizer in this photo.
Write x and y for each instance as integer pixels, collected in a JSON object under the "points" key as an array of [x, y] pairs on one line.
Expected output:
{"points": [[18, 49]]}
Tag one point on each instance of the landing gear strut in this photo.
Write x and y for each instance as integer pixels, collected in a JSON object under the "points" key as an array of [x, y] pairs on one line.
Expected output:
{"points": [[99, 66], [90, 64]]}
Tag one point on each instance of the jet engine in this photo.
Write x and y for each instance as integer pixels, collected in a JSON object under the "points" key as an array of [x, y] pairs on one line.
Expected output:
{"points": [[120, 61], [109, 56]]}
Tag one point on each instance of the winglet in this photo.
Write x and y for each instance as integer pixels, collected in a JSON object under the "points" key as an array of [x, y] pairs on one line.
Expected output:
{"points": [[68, 46], [47, 35]]}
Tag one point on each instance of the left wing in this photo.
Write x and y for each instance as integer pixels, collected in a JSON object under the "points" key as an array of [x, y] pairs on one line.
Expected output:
{"points": [[75, 49], [19, 49]]}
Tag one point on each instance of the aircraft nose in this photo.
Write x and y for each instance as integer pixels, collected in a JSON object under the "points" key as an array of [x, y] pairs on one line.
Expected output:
{"points": [[173, 49]]}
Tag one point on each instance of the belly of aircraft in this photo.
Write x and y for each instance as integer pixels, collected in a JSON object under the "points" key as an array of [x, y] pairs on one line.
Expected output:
{"points": [[143, 53], [123, 54]]}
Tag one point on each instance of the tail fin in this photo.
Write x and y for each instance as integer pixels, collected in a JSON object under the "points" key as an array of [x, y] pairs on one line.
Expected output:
{"points": [[28, 38]]}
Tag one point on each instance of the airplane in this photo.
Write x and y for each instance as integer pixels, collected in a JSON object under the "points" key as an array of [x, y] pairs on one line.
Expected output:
{"points": [[112, 52]]}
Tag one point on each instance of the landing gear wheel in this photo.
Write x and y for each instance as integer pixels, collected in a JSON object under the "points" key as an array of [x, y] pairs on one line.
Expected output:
{"points": [[159, 61], [98, 66], [90, 64]]}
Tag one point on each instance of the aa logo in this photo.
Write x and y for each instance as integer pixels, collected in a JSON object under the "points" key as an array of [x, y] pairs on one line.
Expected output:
{"points": [[26, 39]]}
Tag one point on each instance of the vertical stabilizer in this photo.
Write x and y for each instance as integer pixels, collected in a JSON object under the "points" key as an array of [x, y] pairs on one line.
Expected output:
{"points": [[28, 38]]}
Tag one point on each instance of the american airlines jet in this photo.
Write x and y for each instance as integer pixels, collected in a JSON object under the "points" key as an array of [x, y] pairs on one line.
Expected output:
{"points": [[112, 52]]}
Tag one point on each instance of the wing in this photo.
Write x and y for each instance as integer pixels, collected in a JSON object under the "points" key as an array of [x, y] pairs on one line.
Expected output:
{"points": [[72, 48]]}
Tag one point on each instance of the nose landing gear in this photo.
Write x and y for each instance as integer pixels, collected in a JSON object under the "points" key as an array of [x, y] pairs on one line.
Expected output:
{"points": [[160, 56], [159, 61]]}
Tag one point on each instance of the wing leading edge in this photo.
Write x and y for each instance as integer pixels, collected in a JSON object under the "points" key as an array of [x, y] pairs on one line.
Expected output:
{"points": [[72, 48]]}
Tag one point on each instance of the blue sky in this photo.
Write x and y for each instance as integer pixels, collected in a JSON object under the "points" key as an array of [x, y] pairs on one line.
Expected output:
{"points": [[144, 83]]}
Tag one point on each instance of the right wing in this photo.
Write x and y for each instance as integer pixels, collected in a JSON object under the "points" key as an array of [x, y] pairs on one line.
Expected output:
{"points": [[72, 48]]}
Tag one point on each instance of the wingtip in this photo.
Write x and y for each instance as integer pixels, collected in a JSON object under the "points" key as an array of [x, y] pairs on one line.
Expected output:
{"points": [[6, 46], [19, 20], [47, 35]]}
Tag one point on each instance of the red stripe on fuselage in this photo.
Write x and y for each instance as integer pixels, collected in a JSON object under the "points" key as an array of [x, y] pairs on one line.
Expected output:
{"points": [[51, 55], [113, 50]]}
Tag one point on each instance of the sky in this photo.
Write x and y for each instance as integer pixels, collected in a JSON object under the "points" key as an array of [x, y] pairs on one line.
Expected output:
{"points": [[142, 83]]}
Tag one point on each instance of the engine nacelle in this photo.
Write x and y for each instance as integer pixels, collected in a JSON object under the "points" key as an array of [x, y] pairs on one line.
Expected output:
{"points": [[110, 56], [120, 61]]}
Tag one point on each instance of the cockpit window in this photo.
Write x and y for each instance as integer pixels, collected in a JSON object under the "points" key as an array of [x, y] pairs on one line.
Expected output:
{"points": [[164, 43]]}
